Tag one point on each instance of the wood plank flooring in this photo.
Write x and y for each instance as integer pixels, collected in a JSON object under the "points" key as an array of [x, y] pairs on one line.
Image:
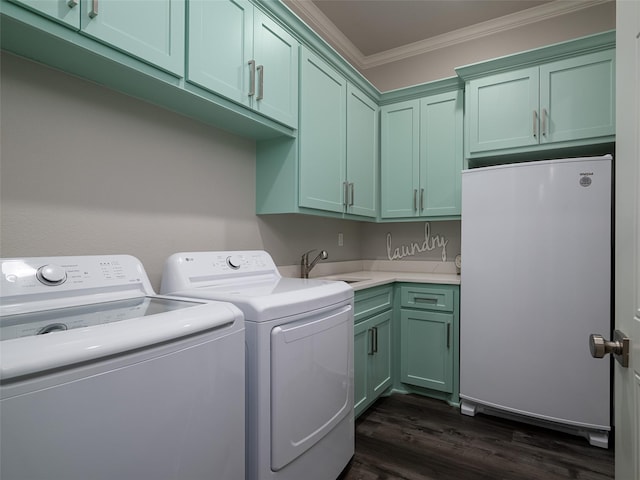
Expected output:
{"points": [[416, 438]]}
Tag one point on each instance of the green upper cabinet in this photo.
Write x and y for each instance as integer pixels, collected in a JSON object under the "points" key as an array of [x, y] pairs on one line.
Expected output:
{"points": [[151, 31], [422, 157], [66, 12], [362, 154], [237, 51], [399, 160], [564, 103], [577, 98], [323, 156], [338, 142], [502, 110], [441, 154]]}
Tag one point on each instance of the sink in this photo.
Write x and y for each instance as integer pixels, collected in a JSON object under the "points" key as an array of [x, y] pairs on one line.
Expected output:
{"points": [[350, 279]]}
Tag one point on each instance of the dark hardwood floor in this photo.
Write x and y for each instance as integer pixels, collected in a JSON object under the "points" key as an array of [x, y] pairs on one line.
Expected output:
{"points": [[412, 437]]}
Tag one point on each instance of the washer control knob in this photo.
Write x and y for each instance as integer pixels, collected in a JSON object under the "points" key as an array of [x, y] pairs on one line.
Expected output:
{"points": [[234, 261], [51, 274]]}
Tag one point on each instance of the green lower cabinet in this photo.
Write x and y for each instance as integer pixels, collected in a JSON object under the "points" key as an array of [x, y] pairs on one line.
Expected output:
{"points": [[426, 358], [428, 340], [372, 359], [372, 345]]}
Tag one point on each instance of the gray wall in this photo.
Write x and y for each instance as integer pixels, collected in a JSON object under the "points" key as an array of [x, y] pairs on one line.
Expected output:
{"points": [[375, 247], [86, 170]]}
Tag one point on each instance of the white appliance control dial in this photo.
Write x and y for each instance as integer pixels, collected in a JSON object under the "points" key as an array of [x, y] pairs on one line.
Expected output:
{"points": [[51, 274], [234, 261]]}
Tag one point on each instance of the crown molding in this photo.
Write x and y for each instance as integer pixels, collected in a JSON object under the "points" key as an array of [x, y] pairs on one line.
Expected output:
{"points": [[324, 27], [319, 22]]}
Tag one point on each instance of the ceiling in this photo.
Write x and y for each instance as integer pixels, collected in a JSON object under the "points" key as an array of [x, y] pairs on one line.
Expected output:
{"points": [[373, 32]]}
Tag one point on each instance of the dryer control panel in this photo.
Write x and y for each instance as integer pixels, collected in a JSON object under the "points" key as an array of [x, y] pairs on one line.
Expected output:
{"points": [[195, 269]]}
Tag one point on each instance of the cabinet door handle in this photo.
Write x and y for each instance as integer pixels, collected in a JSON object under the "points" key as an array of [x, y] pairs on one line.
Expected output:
{"points": [[421, 199], [260, 70], [72, 3], [371, 340], [415, 200], [352, 194], [429, 300], [345, 191], [535, 124], [544, 122], [252, 78], [375, 341], [448, 335], [94, 9]]}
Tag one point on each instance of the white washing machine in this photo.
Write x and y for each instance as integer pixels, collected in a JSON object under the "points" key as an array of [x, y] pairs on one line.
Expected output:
{"points": [[300, 421], [101, 379]]}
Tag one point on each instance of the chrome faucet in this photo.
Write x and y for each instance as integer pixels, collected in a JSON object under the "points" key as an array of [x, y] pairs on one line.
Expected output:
{"points": [[305, 266]]}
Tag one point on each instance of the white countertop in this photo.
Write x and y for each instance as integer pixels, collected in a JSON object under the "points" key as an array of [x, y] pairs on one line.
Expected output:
{"points": [[367, 278], [372, 273]]}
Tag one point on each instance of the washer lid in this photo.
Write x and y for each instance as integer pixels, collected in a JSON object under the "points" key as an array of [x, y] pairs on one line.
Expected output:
{"points": [[62, 319], [266, 300], [43, 340]]}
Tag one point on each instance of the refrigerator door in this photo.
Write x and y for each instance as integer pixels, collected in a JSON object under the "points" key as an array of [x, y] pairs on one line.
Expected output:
{"points": [[536, 281]]}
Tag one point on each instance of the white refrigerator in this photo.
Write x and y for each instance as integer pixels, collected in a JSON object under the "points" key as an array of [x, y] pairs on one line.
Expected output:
{"points": [[535, 283]]}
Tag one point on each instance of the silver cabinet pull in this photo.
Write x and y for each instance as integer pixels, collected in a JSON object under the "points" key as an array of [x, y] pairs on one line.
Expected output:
{"points": [[415, 200], [535, 124], [94, 9], [421, 199], [544, 122], [72, 3], [375, 341], [429, 300], [371, 339], [252, 78], [260, 70], [345, 191], [448, 335], [352, 189]]}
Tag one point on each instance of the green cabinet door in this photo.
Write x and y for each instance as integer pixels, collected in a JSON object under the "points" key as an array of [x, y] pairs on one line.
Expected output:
{"points": [[361, 352], [276, 54], [322, 135], [426, 349], [441, 154], [399, 159], [372, 359], [381, 358], [502, 110], [238, 52], [362, 153], [66, 12], [220, 47], [152, 31], [577, 98]]}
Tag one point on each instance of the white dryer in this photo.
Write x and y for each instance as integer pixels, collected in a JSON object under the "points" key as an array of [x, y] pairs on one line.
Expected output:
{"points": [[101, 379], [299, 332]]}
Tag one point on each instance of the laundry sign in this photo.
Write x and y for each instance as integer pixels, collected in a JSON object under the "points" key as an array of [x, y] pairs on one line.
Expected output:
{"points": [[427, 244]]}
